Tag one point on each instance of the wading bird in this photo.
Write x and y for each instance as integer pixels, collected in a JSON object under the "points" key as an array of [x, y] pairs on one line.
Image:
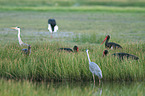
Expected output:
{"points": [[121, 55], [75, 49], [94, 68], [52, 27], [27, 52], [19, 38], [111, 45]]}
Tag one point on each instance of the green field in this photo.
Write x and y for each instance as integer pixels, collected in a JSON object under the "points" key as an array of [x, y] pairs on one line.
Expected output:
{"points": [[36, 3], [82, 25], [84, 29]]}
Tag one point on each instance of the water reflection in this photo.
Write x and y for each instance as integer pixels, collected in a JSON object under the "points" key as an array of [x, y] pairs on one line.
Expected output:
{"points": [[27, 88], [97, 91], [89, 89]]}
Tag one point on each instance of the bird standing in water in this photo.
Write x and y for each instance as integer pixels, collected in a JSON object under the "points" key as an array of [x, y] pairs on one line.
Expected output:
{"points": [[94, 68], [27, 52], [111, 45], [19, 38], [75, 49], [52, 27], [121, 55]]}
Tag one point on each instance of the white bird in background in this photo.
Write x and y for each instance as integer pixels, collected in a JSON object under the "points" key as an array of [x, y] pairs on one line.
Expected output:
{"points": [[94, 68], [52, 27], [19, 38]]}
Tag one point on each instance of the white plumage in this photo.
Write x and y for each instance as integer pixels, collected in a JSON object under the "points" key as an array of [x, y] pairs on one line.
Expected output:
{"points": [[19, 38], [50, 28], [94, 68]]}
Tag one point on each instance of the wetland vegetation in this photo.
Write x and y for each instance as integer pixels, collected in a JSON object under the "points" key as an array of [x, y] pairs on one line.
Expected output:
{"points": [[85, 26]]}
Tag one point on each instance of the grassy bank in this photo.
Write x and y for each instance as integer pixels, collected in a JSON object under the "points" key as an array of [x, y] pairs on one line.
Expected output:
{"points": [[74, 5], [36, 3], [47, 63], [73, 8]]}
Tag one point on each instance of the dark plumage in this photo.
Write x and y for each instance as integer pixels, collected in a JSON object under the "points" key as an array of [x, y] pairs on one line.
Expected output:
{"points": [[105, 52], [75, 49], [121, 55], [126, 55], [27, 51], [52, 22], [110, 44]]}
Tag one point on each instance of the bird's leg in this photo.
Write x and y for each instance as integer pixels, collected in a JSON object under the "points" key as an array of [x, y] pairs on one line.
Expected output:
{"points": [[99, 82], [51, 36], [94, 79]]}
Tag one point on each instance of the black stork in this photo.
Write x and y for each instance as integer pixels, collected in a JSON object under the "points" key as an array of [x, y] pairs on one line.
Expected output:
{"points": [[52, 27], [27, 52], [75, 49], [110, 44], [121, 55]]}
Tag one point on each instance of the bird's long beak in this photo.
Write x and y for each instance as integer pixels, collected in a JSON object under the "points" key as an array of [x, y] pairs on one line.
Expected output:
{"points": [[13, 28], [104, 40]]}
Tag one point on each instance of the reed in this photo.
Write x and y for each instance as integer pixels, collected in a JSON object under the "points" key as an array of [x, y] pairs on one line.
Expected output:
{"points": [[48, 63]]}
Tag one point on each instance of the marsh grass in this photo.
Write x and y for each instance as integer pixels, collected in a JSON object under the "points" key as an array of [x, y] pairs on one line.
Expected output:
{"points": [[48, 63], [96, 38], [88, 38]]}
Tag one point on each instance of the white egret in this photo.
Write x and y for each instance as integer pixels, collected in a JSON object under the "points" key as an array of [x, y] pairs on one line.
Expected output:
{"points": [[94, 68], [52, 27], [27, 51], [19, 38]]}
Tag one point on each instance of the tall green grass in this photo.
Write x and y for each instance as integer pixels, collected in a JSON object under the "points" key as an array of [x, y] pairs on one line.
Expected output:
{"points": [[90, 38], [96, 38], [48, 63]]}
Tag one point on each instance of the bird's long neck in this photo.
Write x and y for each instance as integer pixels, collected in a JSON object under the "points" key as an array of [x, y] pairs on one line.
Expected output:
{"points": [[18, 32], [19, 38], [88, 57], [29, 51], [106, 42]]}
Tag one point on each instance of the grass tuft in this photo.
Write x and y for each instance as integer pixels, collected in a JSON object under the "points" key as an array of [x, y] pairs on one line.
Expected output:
{"points": [[48, 63]]}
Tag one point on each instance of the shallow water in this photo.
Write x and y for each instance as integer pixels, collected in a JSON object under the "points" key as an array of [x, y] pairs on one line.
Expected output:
{"points": [[89, 89]]}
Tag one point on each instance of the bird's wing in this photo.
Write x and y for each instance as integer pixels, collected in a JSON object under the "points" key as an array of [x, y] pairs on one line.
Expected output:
{"points": [[66, 49], [49, 28], [55, 28], [94, 67], [24, 51], [112, 44]]}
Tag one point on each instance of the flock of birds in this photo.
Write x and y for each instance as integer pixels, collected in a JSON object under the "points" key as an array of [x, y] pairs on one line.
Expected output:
{"points": [[94, 68]]}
